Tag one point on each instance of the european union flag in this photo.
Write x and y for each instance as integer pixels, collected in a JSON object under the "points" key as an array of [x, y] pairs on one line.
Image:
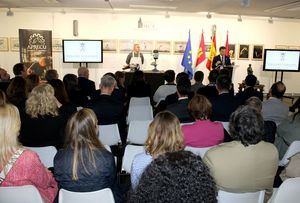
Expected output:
{"points": [[187, 60]]}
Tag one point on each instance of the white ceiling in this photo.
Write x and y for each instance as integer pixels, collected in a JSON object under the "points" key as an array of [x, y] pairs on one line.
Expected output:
{"points": [[270, 8]]}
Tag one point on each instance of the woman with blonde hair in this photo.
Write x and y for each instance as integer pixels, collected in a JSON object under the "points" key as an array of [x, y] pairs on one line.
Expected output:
{"points": [[164, 135], [84, 165], [41, 123], [19, 166]]}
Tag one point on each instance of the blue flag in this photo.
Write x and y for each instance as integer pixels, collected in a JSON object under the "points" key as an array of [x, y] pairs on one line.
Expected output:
{"points": [[187, 60]]}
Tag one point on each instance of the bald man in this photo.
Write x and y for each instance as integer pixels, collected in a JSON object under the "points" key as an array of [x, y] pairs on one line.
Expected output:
{"points": [[87, 86], [135, 57]]}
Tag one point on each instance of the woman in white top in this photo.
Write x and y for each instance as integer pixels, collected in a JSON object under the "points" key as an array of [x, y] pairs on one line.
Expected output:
{"points": [[164, 135]]}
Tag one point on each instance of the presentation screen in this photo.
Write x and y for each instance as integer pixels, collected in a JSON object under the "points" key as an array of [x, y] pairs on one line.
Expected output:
{"points": [[281, 60], [82, 51]]}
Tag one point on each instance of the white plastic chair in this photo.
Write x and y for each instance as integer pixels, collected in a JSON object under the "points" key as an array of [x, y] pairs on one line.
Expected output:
{"points": [[198, 151], [225, 125], [142, 101], [288, 192], [109, 134], [46, 154], [138, 132], [20, 194], [100, 196], [130, 152], [249, 197], [293, 149], [139, 113], [107, 148]]}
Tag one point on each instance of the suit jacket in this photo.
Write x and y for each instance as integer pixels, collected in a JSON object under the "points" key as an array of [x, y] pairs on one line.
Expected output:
{"points": [[237, 168], [274, 110], [180, 109], [139, 89], [223, 106], [87, 86], [209, 91], [219, 58], [247, 93]]}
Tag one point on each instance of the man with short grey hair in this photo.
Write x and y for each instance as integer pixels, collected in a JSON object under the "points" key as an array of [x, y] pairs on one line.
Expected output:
{"points": [[87, 86]]}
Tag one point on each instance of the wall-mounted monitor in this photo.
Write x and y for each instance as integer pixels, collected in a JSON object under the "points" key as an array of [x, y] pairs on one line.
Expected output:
{"points": [[82, 51], [281, 60]]}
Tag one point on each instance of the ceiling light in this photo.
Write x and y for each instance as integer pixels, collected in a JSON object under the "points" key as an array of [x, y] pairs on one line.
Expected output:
{"points": [[9, 12], [152, 7], [239, 19], [208, 15], [270, 20]]}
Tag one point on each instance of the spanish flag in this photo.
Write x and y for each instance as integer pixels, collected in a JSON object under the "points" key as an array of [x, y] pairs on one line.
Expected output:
{"points": [[212, 53], [201, 51]]}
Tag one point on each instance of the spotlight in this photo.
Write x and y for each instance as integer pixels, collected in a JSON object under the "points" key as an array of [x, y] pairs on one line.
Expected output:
{"points": [[208, 15], [239, 19], [270, 20], [9, 12]]}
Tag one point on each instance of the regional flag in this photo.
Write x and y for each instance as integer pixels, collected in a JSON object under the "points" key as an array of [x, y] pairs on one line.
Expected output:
{"points": [[212, 53], [187, 60], [201, 51]]}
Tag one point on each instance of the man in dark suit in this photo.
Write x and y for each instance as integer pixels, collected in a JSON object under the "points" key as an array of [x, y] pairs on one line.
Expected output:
{"points": [[180, 108], [210, 90], [221, 60], [249, 90], [87, 86], [223, 104]]}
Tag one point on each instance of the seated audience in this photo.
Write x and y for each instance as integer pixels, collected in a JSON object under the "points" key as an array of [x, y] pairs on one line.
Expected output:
{"points": [[202, 133], [223, 104], [117, 94], [295, 106], [17, 92], [164, 90], [87, 86], [164, 135], [4, 79], [120, 78], [180, 108], [198, 77], [226, 72], [249, 90], [19, 165], [75, 94], [32, 81], [270, 126], [210, 90], [84, 165], [176, 177], [247, 164], [287, 132], [41, 123], [20, 70], [138, 86], [51, 74], [274, 109]]}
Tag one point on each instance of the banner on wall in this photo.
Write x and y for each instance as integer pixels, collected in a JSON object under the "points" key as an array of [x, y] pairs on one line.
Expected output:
{"points": [[36, 50]]}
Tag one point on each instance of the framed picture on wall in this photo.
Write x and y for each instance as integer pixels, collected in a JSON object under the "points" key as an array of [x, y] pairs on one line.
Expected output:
{"points": [[126, 45], [147, 46], [163, 47], [57, 45], [109, 45], [179, 47], [257, 52], [281, 47], [14, 44], [231, 51], [3, 44], [207, 47], [243, 51]]}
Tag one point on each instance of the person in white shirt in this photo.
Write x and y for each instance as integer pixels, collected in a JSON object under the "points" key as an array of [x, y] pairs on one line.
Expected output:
{"points": [[164, 90]]}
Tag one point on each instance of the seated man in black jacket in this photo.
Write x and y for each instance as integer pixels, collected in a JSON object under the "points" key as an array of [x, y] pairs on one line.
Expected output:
{"points": [[249, 90], [210, 90], [87, 86]]}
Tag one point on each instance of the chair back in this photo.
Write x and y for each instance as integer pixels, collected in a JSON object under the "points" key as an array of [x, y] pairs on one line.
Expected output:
{"points": [[20, 194], [46, 154], [288, 191], [136, 101], [293, 149], [109, 134], [249, 197], [138, 132], [130, 152], [140, 113]]}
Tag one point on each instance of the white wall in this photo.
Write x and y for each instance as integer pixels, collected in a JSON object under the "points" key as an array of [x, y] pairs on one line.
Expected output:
{"points": [[124, 26]]}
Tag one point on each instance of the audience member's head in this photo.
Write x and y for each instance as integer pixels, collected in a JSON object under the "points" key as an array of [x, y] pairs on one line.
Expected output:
{"points": [[138, 76], [70, 82], [198, 77], [164, 134], [17, 88], [223, 83], [42, 102], [176, 177], [120, 78], [255, 103], [277, 90], [51, 75], [213, 75], [200, 107], [250, 80], [4, 76], [222, 50], [60, 91], [32, 81], [83, 72], [246, 125], [169, 76], [180, 75], [19, 69], [110, 74], [82, 134], [10, 126], [2, 98], [107, 84], [183, 86], [224, 72]]}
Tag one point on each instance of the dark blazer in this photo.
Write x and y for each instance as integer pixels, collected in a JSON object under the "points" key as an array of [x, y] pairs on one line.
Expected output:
{"points": [[87, 86], [218, 58], [180, 109], [209, 91], [222, 107], [4, 86], [99, 177], [247, 93], [77, 97], [139, 89], [66, 110]]}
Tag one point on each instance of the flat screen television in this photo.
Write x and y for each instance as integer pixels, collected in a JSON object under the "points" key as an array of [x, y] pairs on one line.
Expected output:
{"points": [[82, 51], [281, 60]]}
